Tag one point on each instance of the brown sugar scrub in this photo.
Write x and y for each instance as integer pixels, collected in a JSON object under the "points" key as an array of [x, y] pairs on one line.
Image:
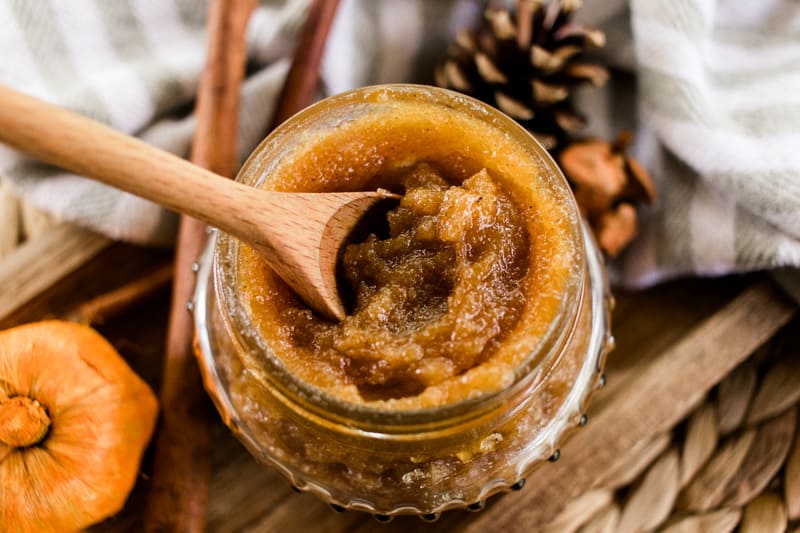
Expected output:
{"points": [[430, 148], [478, 321], [432, 300]]}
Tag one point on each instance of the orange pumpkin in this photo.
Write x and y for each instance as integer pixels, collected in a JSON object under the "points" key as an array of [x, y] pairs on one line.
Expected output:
{"points": [[74, 422]]}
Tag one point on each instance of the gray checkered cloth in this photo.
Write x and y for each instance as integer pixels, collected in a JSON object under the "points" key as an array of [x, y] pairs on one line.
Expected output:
{"points": [[712, 88]]}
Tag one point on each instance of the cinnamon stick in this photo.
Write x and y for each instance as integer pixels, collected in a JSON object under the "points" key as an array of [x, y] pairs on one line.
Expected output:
{"points": [[301, 83], [179, 486], [178, 495]]}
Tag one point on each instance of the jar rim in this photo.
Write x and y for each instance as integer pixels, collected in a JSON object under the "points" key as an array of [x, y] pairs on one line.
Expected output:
{"points": [[371, 416]]}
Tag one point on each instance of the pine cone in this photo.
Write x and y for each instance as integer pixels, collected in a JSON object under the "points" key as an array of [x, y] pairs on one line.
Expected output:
{"points": [[526, 62], [607, 185]]}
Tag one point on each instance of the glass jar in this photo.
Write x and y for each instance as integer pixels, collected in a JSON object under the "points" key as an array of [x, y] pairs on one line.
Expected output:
{"points": [[421, 460]]}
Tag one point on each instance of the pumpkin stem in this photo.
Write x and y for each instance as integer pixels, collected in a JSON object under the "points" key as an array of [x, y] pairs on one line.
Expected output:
{"points": [[23, 421]]}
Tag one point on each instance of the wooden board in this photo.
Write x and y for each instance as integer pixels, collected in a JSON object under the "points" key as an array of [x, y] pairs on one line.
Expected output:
{"points": [[41, 263], [673, 343]]}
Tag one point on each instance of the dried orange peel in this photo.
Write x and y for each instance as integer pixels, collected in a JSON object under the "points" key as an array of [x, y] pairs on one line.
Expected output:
{"points": [[74, 423]]}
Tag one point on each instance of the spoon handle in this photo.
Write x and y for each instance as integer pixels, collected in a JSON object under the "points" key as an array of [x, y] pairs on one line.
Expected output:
{"points": [[88, 148], [298, 234], [91, 149]]}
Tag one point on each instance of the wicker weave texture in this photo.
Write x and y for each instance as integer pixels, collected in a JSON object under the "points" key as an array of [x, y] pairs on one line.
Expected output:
{"points": [[733, 463]]}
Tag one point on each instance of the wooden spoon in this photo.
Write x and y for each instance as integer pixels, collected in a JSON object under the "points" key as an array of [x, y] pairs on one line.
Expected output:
{"points": [[298, 234]]}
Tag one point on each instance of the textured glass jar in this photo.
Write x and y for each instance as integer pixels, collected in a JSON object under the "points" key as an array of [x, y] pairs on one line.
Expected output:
{"points": [[416, 461]]}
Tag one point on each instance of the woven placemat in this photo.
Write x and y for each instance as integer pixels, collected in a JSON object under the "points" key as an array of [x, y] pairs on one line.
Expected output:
{"points": [[734, 462]]}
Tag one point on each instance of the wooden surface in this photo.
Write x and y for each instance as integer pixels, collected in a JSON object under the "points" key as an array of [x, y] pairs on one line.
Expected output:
{"points": [[673, 343], [39, 264]]}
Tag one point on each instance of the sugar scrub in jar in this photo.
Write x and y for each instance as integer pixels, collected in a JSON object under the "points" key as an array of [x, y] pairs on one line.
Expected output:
{"points": [[478, 318]]}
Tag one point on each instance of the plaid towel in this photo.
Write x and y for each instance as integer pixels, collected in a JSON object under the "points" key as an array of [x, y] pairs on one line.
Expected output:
{"points": [[718, 99], [133, 64]]}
